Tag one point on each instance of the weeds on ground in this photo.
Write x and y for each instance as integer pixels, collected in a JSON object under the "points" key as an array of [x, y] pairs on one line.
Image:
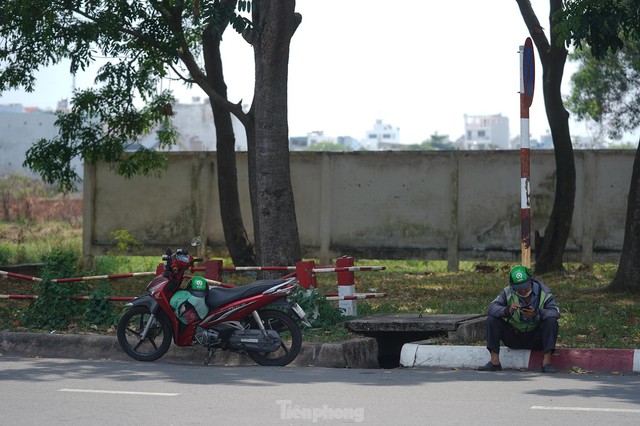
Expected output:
{"points": [[591, 317], [28, 241]]}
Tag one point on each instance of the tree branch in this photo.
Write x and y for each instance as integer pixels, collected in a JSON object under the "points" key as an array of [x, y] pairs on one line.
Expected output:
{"points": [[535, 29]]}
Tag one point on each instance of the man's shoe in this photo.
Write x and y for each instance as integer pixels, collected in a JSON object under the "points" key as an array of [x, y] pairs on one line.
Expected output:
{"points": [[548, 368], [491, 367]]}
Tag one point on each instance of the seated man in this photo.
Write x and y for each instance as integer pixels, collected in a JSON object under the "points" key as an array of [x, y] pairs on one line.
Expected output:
{"points": [[523, 316]]}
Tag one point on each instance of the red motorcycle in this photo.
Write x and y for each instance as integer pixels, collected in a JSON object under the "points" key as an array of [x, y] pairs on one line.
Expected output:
{"points": [[257, 318]]}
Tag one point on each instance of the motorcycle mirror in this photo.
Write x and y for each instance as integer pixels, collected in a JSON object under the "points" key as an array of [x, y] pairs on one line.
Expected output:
{"points": [[168, 251], [196, 241]]}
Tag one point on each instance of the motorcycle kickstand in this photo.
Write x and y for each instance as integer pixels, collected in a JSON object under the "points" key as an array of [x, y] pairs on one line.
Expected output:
{"points": [[209, 355]]}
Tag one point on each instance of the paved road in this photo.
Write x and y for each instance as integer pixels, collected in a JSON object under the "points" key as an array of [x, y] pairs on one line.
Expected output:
{"points": [[85, 392]]}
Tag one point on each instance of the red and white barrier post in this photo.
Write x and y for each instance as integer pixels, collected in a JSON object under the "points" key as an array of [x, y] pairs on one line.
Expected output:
{"points": [[346, 286], [527, 80]]}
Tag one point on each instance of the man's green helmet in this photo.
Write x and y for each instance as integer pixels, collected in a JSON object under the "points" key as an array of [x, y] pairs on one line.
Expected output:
{"points": [[519, 277]]}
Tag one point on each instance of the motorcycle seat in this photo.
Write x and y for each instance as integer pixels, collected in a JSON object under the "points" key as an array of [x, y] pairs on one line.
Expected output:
{"points": [[219, 296]]}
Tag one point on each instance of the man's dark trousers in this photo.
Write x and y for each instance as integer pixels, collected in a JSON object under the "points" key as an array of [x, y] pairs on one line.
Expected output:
{"points": [[544, 336]]}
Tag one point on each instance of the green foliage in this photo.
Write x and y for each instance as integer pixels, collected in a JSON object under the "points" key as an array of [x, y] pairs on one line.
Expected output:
{"points": [[30, 241], [591, 317], [434, 143], [5, 255], [54, 309], [217, 15], [106, 265], [607, 90], [600, 24], [142, 41], [125, 241], [99, 311], [101, 124], [124, 259], [320, 312], [327, 146]]}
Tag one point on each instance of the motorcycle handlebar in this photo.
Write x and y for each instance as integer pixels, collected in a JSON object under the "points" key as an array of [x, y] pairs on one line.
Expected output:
{"points": [[195, 259]]}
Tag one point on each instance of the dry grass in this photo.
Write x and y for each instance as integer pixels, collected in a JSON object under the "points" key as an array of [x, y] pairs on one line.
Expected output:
{"points": [[591, 317]]}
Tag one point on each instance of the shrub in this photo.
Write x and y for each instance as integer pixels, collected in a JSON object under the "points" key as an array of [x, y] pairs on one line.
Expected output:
{"points": [[55, 308], [320, 311]]}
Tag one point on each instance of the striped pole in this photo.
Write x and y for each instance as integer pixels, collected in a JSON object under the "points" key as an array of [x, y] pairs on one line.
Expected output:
{"points": [[346, 286], [77, 279], [349, 268], [104, 277], [35, 297], [527, 79], [357, 296]]}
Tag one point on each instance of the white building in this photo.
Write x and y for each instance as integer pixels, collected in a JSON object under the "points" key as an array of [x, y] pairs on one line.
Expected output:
{"points": [[486, 132], [382, 137], [196, 128], [20, 128], [300, 143]]}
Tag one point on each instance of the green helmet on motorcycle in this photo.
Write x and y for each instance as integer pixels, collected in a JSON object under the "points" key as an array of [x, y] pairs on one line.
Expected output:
{"points": [[198, 287]]}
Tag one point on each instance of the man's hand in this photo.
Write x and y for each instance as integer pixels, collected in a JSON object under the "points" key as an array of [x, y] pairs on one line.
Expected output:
{"points": [[514, 307], [528, 312]]}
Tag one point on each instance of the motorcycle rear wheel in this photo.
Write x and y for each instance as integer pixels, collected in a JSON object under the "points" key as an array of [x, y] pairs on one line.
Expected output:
{"points": [[289, 333], [130, 328]]}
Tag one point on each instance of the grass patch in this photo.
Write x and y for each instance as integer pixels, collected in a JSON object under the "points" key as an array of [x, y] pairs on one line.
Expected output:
{"points": [[591, 318], [29, 241]]}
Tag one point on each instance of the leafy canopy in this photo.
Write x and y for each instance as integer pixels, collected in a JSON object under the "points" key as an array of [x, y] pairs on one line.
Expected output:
{"points": [[600, 24], [607, 90], [606, 34], [137, 43]]}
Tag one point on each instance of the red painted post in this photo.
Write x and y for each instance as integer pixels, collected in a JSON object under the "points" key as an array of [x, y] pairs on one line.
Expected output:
{"points": [[346, 286], [527, 80], [305, 275], [213, 269]]}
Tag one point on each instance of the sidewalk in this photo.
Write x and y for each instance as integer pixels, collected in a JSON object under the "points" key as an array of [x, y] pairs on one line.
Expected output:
{"points": [[419, 354], [356, 353]]}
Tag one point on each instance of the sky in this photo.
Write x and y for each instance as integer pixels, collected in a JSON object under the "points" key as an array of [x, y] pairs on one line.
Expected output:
{"points": [[416, 65]]}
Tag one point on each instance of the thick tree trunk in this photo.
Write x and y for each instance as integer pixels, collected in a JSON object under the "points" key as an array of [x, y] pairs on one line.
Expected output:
{"points": [[628, 275], [549, 249], [238, 244], [275, 226]]}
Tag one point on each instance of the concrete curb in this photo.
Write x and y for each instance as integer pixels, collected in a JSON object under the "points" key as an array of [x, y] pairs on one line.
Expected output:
{"points": [[356, 353], [613, 360]]}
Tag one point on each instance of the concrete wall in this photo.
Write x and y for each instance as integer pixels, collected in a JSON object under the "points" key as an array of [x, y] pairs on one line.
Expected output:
{"points": [[460, 205]]}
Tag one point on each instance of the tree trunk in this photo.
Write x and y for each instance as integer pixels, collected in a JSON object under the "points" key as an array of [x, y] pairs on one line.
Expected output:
{"points": [[549, 249], [628, 275], [238, 244], [275, 226]]}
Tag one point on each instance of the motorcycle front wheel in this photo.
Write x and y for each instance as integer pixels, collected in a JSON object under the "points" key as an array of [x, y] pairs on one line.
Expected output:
{"points": [[130, 328], [289, 333]]}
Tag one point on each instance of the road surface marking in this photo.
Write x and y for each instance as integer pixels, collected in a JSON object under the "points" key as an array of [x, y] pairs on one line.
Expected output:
{"points": [[607, 410], [118, 392]]}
